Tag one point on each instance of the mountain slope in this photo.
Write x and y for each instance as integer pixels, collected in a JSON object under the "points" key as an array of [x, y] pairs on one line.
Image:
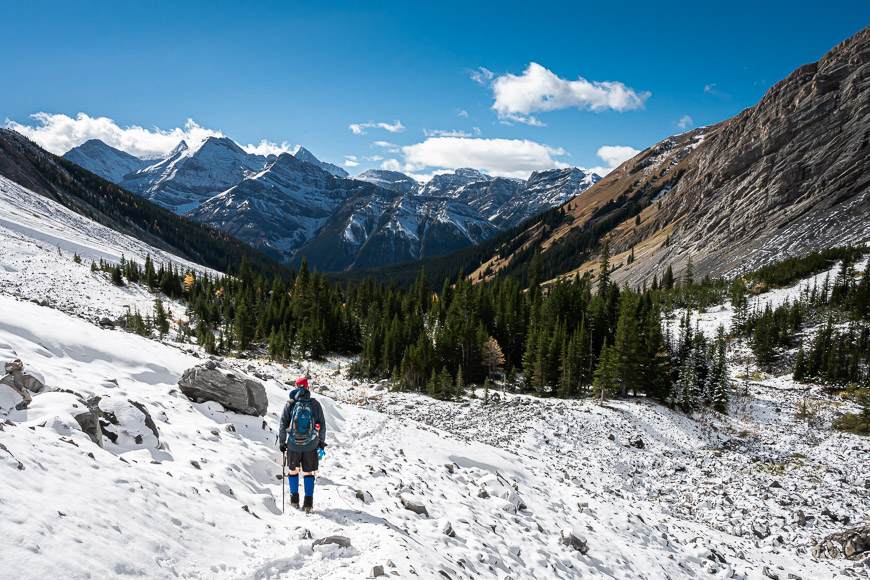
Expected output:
{"points": [[188, 177], [26, 164], [393, 180], [785, 176], [106, 161], [307, 156], [281, 208], [380, 218]]}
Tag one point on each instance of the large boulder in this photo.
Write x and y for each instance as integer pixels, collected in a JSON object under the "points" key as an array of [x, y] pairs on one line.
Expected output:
{"points": [[852, 543], [22, 381], [208, 382], [126, 423]]}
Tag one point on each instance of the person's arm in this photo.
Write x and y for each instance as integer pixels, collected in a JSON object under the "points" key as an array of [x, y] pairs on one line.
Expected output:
{"points": [[282, 428], [321, 419]]}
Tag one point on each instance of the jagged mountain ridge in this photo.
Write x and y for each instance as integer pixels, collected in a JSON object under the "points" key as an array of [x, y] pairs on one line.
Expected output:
{"points": [[294, 206], [107, 162], [784, 177], [28, 165]]}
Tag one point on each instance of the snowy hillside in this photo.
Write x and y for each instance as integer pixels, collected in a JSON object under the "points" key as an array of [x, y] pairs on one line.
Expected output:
{"points": [[515, 488], [39, 238]]}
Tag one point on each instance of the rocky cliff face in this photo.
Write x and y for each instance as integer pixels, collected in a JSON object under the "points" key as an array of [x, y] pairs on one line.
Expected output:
{"points": [[783, 177]]}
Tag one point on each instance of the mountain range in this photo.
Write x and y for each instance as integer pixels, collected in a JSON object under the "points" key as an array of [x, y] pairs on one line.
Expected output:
{"points": [[294, 206]]}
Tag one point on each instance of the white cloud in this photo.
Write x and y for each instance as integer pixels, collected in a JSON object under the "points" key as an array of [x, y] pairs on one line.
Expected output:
{"points": [[446, 133], [391, 165], [475, 132], [387, 146], [714, 90], [481, 75], [685, 122], [360, 128], [350, 161], [613, 156], [462, 113], [502, 157], [59, 133], [539, 90], [265, 147]]}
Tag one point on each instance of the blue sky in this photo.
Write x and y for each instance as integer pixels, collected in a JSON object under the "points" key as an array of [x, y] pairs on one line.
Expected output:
{"points": [[303, 73]]}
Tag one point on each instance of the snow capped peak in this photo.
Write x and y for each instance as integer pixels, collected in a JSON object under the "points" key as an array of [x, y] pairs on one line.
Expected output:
{"points": [[446, 183], [303, 154], [180, 148], [104, 160], [392, 180], [471, 173]]}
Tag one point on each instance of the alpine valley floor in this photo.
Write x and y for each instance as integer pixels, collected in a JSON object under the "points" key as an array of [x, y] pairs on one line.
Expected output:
{"points": [[652, 492]]}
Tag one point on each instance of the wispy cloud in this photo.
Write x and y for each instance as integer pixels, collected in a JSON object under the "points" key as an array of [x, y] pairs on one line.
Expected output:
{"points": [[462, 113], [350, 161], [59, 133], [451, 132], [481, 75], [537, 89], [362, 128], [714, 90], [386, 146], [686, 122]]}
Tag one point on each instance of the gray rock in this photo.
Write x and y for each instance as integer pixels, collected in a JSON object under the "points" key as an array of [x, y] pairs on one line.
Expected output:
{"points": [[364, 496], [207, 382], [572, 540], [852, 544], [21, 381], [106, 322], [447, 530], [761, 530], [377, 571], [414, 506], [89, 421], [149, 421], [638, 443], [340, 541]]}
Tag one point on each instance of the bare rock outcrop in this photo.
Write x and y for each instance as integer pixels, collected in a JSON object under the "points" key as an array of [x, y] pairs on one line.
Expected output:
{"points": [[208, 382]]}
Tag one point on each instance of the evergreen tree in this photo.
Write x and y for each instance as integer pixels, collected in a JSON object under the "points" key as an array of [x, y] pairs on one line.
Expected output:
{"points": [[161, 320], [800, 365], [117, 278], [606, 382]]}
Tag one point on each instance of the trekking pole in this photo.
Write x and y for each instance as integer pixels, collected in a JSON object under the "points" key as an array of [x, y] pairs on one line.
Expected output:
{"points": [[283, 479]]}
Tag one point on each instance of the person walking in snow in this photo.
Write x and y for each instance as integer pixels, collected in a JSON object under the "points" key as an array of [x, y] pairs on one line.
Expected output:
{"points": [[302, 438]]}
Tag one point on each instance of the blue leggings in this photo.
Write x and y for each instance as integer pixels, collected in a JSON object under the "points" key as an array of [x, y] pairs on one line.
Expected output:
{"points": [[308, 483]]}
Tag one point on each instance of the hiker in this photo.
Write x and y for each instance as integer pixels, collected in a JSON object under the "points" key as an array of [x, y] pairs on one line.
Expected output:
{"points": [[302, 438]]}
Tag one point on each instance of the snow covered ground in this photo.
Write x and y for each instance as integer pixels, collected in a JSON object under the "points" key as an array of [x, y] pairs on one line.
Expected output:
{"points": [[39, 237], [204, 502], [198, 495], [712, 318]]}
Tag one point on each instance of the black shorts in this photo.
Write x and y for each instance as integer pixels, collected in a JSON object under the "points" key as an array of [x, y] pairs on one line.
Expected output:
{"points": [[307, 459]]}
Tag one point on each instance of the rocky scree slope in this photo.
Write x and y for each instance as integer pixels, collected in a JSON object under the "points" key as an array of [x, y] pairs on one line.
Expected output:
{"points": [[786, 176]]}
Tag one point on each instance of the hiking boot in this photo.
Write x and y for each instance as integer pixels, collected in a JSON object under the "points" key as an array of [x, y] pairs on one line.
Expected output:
{"points": [[294, 500], [308, 504]]}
